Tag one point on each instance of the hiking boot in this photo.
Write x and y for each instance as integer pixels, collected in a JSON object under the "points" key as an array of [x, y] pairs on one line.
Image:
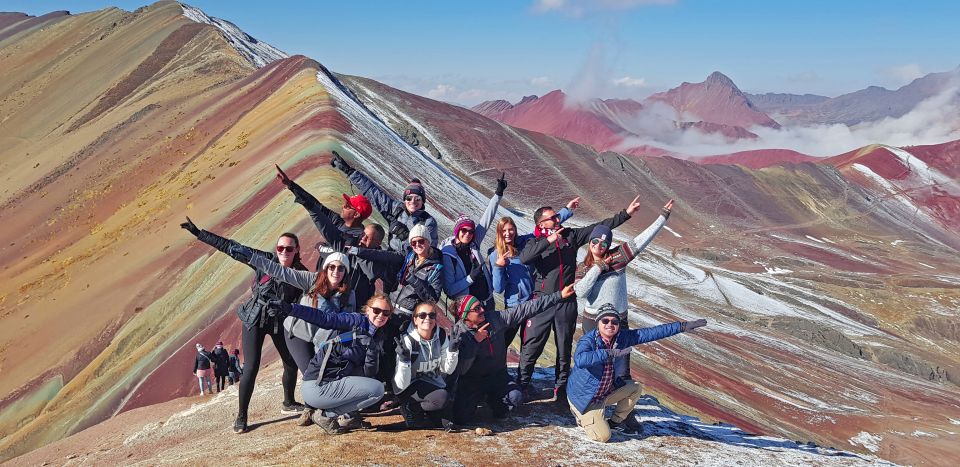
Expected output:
{"points": [[447, 425], [328, 425], [353, 421], [628, 425], [292, 408], [240, 425], [389, 404], [414, 417], [560, 394], [306, 417]]}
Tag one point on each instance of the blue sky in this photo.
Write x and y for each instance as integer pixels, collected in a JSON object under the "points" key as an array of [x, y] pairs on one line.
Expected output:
{"points": [[467, 52]]}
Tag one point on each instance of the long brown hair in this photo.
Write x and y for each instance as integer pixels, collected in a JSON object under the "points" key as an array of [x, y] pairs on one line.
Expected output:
{"points": [[323, 287], [588, 260], [501, 245], [297, 264]]}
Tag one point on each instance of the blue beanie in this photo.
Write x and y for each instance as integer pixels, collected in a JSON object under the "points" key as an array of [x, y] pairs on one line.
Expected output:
{"points": [[603, 233]]}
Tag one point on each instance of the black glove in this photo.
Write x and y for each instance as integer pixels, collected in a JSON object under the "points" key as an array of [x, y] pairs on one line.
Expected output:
{"points": [[476, 273], [277, 307], [455, 341], [189, 226], [501, 184], [240, 252], [402, 351], [340, 164]]}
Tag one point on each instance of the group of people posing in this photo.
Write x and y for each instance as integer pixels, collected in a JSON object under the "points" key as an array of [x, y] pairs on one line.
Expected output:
{"points": [[358, 346], [220, 365]]}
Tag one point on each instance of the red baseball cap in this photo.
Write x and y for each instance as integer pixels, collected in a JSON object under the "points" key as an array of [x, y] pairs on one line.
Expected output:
{"points": [[361, 204]]}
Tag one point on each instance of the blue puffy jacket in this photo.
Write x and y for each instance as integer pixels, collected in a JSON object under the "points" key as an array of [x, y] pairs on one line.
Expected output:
{"points": [[591, 355]]}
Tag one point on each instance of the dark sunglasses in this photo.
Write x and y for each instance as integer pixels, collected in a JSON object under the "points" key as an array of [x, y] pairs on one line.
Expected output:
{"points": [[380, 311], [424, 315], [613, 321], [554, 218], [336, 267], [412, 198], [418, 241], [478, 308], [288, 249], [597, 241], [466, 231]]}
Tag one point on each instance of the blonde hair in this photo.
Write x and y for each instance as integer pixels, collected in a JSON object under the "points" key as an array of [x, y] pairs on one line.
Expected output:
{"points": [[501, 245]]}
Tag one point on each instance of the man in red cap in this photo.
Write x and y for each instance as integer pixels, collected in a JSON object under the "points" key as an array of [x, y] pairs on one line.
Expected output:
{"points": [[350, 219]]}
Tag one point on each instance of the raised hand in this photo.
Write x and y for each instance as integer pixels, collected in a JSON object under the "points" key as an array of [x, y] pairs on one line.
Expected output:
{"points": [[574, 203], [503, 259], [688, 326], [403, 352], [340, 164], [567, 291], [665, 210], [633, 206], [189, 226], [552, 238], [501, 184], [455, 340], [482, 333], [281, 176]]}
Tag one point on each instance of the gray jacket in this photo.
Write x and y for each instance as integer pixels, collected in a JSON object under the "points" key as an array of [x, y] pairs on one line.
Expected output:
{"points": [[432, 360], [399, 221]]}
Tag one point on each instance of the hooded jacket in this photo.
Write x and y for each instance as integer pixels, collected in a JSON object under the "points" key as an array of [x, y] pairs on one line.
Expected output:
{"points": [[489, 356], [555, 263], [432, 360], [265, 288], [358, 356], [399, 221], [515, 280], [415, 283], [222, 359], [592, 354], [456, 278]]}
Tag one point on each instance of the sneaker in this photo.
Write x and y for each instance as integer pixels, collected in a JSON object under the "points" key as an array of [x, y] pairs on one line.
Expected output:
{"points": [[628, 425], [240, 425], [447, 425], [353, 421], [306, 417], [327, 425], [292, 408], [389, 404]]}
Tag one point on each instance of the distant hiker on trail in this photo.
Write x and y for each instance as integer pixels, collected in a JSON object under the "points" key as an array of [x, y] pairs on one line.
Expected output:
{"points": [[258, 320], [338, 381], [341, 231], [400, 216], [601, 277], [593, 383], [511, 278], [553, 256], [482, 364], [326, 289], [203, 368], [465, 270], [222, 359], [235, 368], [426, 355]]}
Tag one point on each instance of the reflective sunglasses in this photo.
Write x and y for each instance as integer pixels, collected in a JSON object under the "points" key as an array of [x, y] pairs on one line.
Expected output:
{"points": [[425, 315], [380, 311], [288, 249], [602, 243], [613, 321], [418, 241], [412, 198], [336, 268]]}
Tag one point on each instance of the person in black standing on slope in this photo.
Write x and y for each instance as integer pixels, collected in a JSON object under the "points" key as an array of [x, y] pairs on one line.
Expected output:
{"points": [[259, 320], [236, 368], [344, 230], [222, 359], [553, 255]]}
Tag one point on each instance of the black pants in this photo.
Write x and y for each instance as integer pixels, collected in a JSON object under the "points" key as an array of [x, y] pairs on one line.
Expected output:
{"points": [[252, 348], [388, 358], [221, 382], [473, 389], [563, 320], [301, 350]]}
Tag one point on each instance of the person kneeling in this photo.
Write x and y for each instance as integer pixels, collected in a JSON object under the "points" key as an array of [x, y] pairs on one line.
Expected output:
{"points": [[337, 381], [425, 357], [592, 386]]}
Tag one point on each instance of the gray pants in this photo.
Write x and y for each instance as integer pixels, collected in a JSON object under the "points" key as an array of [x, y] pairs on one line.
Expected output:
{"points": [[342, 396]]}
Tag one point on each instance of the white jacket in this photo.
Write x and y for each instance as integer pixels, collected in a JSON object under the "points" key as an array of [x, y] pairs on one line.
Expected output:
{"points": [[432, 360]]}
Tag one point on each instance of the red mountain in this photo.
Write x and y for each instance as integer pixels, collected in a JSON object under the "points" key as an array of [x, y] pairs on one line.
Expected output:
{"points": [[758, 158], [715, 100]]}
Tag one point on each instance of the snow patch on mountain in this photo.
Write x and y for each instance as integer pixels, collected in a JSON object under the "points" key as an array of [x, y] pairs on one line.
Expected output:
{"points": [[259, 54], [867, 440]]}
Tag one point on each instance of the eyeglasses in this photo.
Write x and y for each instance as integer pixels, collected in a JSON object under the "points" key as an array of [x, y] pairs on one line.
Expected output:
{"points": [[418, 241], [288, 249], [602, 243], [466, 231], [412, 198], [478, 308], [336, 268], [554, 218], [424, 315], [380, 311], [613, 321]]}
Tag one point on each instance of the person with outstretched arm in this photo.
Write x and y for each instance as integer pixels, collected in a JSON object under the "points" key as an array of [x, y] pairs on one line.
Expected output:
{"points": [[339, 381], [482, 365], [426, 355], [553, 256], [401, 216], [259, 321], [593, 384], [465, 270]]}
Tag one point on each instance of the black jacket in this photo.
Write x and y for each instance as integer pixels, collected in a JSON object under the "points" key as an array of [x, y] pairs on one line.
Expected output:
{"points": [[235, 365], [414, 283], [265, 288], [202, 361], [555, 264], [222, 359]]}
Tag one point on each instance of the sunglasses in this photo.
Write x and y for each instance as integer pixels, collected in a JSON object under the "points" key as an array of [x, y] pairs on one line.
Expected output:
{"points": [[424, 315], [554, 218], [380, 311], [412, 198], [613, 321], [478, 308], [288, 249], [418, 241], [602, 243], [336, 268], [466, 231]]}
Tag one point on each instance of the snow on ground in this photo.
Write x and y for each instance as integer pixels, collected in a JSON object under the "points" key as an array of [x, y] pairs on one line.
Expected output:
{"points": [[675, 234], [867, 440], [924, 175], [257, 53], [897, 192]]}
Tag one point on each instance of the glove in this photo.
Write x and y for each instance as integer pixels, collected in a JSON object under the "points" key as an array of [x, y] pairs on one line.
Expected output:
{"points": [[455, 341], [476, 273], [687, 326], [189, 226], [617, 353], [277, 307], [403, 353], [340, 164], [351, 250], [240, 252], [501, 184]]}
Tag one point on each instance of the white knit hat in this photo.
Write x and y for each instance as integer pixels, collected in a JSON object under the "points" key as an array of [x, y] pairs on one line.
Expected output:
{"points": [[420, 231], [342, 258]]}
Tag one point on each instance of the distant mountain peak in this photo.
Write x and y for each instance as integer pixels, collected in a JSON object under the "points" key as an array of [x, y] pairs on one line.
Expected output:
{"points": [[719, 79]]}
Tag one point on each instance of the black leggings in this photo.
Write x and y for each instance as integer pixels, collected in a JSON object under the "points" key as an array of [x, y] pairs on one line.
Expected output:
{"points": [[301, 350], [252, 348]]}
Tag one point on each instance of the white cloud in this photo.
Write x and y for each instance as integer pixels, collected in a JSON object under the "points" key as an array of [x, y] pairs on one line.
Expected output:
{"points": [[904, 74], [579, 8], [540, 81], [441, 91], [629, 82]]}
